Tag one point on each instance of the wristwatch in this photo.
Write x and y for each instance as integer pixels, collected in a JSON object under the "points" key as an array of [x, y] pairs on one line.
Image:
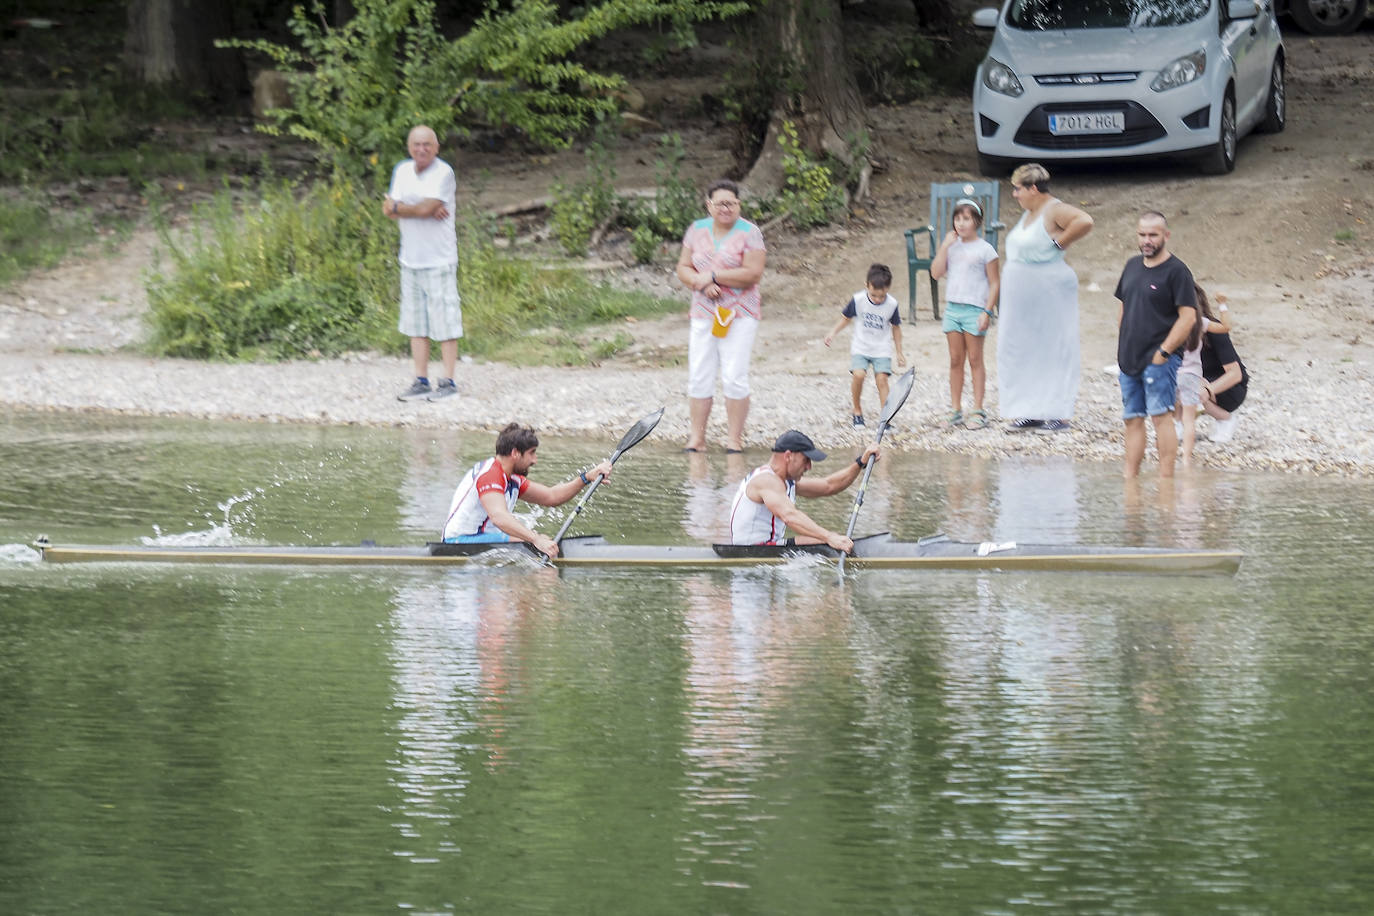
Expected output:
{"points": [[1164, 353]]}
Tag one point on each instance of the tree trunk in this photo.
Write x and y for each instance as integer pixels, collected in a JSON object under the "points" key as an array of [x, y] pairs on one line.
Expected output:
{"points": [[816, 90], [170, 43]]}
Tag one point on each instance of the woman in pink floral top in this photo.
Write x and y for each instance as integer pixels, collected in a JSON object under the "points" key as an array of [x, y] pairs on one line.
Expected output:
{"points": [[722, 262]]}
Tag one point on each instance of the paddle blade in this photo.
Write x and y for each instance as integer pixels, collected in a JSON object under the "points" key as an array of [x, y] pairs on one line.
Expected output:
{"points": [[637, 433], [897, 396]]}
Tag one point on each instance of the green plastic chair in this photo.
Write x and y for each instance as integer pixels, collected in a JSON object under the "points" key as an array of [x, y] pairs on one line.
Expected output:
{"points": [[942, 198]]}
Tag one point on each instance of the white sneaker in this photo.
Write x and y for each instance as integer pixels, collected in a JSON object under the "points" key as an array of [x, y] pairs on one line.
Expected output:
{"points": [[1223, 430]]}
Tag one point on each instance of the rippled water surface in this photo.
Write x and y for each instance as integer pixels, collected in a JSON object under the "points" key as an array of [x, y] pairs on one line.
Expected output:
{"points": [[511, 739]]}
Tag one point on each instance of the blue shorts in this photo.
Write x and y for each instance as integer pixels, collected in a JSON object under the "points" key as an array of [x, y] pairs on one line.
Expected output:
{"points": [[881, 365], [963, 318], [487, 537], [1152, 392]]}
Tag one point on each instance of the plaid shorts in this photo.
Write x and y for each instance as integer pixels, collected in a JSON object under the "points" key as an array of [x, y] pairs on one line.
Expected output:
{"points": [[430, 306]]}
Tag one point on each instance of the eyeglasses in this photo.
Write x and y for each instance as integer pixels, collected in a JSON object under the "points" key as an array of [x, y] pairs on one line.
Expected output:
{"points": [[725, 204]]}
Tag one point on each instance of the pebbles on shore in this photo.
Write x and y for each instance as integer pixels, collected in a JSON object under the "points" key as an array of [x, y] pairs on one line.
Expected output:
{"points": [[1294, 419]]}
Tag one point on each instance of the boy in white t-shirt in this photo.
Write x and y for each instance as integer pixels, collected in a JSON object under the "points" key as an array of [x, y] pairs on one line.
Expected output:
{"points": [[970, 302], [877, 336]]}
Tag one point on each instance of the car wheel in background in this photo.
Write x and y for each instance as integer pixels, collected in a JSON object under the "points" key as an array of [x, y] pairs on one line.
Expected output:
{"points": [[1221, 158], [1274, 106], [1328, 17]]}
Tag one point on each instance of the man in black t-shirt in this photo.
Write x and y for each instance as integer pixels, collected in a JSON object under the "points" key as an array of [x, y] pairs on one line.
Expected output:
{"points": [[1158, 310]]}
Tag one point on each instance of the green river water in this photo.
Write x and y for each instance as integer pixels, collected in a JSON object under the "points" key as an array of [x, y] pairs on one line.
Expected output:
{"points": [[507, 739]]}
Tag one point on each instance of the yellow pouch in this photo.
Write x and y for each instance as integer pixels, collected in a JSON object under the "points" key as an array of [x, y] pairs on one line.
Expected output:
{"points": [[720, 320]]}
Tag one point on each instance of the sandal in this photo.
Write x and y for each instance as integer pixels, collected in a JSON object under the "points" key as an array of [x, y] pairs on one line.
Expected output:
{"points": [[955, 419], [977, 419]]}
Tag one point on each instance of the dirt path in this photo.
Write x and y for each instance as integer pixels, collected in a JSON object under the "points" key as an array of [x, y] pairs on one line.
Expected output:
{"points": [[1289, 237]]}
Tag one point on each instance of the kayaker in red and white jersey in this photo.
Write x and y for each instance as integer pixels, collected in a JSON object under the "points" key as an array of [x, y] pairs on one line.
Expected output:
{"points": [[481, 510], [765, 504]]}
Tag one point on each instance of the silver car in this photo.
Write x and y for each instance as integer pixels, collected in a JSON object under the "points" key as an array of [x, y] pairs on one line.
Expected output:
{"points": [[1104, 79]]}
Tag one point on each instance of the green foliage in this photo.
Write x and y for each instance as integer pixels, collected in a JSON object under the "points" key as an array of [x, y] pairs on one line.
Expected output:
{"points": [[892, 70], [523, 313], [357, 89], [302, 272], [644, 243], [311, 271], [809, 192], [578, 210], [98, 129], [677, 202], [34, 235]]}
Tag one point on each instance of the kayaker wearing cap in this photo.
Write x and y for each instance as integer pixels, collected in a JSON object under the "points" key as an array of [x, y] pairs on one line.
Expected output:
{"points": [[765, 504]]}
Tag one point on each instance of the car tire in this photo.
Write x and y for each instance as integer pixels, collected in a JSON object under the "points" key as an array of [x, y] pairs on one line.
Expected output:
{"points": [[1328, 17], [992, 166], [1220, 159], [1275, 107]]}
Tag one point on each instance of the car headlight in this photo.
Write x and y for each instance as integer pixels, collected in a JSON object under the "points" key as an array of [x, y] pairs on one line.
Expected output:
{"points": [[1181, 72], [998, 77]]}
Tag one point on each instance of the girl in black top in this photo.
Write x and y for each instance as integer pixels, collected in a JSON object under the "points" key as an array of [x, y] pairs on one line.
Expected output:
{"points": [[1225, 378]]}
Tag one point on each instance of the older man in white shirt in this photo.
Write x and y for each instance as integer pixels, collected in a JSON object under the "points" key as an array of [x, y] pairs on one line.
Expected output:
{"points": [[421, 200]]}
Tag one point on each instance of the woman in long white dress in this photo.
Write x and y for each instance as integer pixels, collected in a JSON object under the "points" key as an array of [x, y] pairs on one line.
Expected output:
{"points": [[1037, 346]]}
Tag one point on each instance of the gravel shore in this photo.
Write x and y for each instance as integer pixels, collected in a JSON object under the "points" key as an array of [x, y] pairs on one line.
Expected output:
{"points": [[1297, 418]]}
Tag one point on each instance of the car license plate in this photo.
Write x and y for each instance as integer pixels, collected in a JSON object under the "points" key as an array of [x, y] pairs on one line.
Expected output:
{"points": [[1087, 122]]}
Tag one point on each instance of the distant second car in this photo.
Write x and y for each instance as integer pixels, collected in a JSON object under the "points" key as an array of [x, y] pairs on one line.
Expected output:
{"points": [[1103, 79]]}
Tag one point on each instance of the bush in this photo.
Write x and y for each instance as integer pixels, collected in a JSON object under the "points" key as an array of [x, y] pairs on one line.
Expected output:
{"points": [[809, 192], [644, 243], [580, 209], [311, 271]]}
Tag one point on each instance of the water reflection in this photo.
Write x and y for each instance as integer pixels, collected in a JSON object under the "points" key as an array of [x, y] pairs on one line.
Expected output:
{"points": [[709, 492], [1037, 500], [498, 739], [453, 660], [758, 642]]}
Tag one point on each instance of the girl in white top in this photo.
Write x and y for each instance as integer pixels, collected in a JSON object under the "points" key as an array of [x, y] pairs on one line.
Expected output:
{"points": [[970, 302], [1189, 397]]}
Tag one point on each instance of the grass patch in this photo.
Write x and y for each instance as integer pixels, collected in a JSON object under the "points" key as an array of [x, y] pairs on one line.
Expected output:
{"points": [[100, 130], [34, 236], [310, 271]]}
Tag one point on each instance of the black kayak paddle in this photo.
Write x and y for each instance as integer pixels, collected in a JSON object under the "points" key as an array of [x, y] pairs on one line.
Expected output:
{"points": [[637, 434], [895, 399]]}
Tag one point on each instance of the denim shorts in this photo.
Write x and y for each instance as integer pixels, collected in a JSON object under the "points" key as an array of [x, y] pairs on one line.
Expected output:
{"points": [[962, 317], [1152, 392], [881, 365]]}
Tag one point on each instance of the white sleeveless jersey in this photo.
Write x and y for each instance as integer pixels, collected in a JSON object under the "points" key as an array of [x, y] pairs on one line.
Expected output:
{"points": [[466, 514], [751, 522]]}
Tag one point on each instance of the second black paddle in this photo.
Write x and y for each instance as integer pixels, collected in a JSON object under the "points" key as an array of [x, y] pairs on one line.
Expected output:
{"points": [[895, 399], [636, 434]]}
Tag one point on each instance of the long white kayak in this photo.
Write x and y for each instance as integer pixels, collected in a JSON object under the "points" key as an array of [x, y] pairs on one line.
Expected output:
{"points": [[879, 551]]}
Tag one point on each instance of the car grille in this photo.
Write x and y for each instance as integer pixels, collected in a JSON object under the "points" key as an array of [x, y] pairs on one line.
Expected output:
{"points": [[1084, 79], [1141, 127]]}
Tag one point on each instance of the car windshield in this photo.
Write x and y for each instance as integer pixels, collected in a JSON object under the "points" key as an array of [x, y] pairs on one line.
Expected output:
{"points": [[1054, 15]]}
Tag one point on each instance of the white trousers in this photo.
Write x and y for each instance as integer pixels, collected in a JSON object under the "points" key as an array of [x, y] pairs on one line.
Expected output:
{"points": [[729, 356]]}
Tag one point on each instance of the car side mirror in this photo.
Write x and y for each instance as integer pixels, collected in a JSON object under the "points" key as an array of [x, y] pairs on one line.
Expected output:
{"points": [[1243, 9], [985, 18]]}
